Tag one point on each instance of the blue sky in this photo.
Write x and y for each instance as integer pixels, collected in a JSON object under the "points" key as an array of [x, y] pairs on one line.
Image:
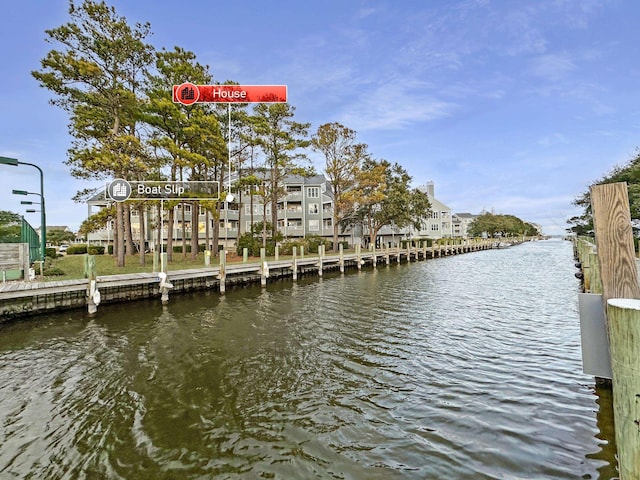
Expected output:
{"points": [[508, 105]]}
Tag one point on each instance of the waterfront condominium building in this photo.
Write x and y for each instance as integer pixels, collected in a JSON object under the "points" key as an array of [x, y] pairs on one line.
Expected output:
{"points": [[306, 208]]}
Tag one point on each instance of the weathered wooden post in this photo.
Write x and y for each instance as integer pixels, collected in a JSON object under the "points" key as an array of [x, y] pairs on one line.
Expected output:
{"points": [[620, 291], [165, 285], [156, 260], [207, 258], [596, 281], [222, 275], [624, 336], [264, 268], [320, 253], [294, 264], [301, 251], [341, 261], [374, 257], [358, 256], [93, 295], [277, 252], [387, 260], [245, 255]]}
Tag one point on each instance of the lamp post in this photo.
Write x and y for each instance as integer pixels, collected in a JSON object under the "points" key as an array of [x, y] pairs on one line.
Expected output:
{"points": [[43, 223]]}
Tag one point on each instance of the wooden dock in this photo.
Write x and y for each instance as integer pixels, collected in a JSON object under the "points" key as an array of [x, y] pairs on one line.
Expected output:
{"points": [[19, 299]]}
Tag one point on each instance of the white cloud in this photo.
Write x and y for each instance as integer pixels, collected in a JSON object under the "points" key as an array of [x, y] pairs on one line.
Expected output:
{"points": [[394, 105], [552, 66]]}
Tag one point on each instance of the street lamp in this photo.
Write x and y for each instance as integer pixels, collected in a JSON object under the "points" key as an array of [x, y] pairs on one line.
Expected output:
{"points": [[43, 222]]}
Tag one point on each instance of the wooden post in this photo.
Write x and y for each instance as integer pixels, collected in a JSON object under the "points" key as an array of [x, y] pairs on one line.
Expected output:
{"points": [[374, 257], [93, 296], [624, 337], [223, 271], [301, 251], [386, 254], [320, 252], [156, 260], [207, 258], [277, 252], [264, 268], [294, 264], [164, 286], [620, 291], [341, 261], [358, 257], [594, 271], [245, 255], [614, 241]]}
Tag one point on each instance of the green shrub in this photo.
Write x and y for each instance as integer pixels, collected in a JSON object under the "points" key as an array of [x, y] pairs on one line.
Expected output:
{"points": [[53, 272], [96, 250], [286, 248], [50, 252], [79, 249], [254, 244], [314, 241]]}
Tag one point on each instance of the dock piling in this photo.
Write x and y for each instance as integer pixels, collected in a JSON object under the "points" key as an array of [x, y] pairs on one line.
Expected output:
{"points": [[93, 294]]}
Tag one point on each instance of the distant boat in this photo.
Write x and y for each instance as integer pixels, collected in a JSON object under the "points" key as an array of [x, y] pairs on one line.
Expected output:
{"points": [[503, 244]]}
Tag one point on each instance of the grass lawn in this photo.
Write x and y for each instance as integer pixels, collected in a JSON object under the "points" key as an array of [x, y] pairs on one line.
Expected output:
{"points": [[73, 265]]}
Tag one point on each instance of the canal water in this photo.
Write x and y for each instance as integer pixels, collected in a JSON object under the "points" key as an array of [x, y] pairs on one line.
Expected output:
{"points": [[465, 367]]}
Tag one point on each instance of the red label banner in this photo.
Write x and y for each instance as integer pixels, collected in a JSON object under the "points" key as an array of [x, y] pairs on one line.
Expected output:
{"points": [[188, 93]]}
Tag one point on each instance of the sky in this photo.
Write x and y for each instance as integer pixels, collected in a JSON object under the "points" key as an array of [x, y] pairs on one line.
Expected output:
{"points": [[510, 106]]}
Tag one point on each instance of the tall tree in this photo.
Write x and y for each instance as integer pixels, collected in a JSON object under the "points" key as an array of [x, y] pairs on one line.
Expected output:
{"points": [[97, 76], [280, 138], [383, 196], [10, 226], [499, 225], [187, 138], [343, 157]]}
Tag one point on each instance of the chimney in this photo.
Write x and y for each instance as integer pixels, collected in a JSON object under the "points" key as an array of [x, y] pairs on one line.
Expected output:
{"points": [[431, 189]]}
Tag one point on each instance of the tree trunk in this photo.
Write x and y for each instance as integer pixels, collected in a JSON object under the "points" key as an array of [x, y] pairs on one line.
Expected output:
{"points": [[170, 222], [159, 227], [130, 249], [207, 236], [143, 233], [120, 258], [334, 218], [184, 232], [264, 224], [195, 215]]}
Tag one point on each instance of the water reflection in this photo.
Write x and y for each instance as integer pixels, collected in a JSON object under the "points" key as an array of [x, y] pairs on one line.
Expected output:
{"points": [[452, 368]]}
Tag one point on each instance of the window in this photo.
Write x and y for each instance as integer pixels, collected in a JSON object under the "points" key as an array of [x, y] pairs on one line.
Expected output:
{"points": [[327, 223], [434, 215], [294, 189], [248, 226], [313, 192], [314, 225], [435, 227], [257, 209], [313, 208], [294, 224]]}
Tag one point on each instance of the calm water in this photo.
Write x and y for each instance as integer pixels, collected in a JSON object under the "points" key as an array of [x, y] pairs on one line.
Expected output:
{"points": [[466, 367]]}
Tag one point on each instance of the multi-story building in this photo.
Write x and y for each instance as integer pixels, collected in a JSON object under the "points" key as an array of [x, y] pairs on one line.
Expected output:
{"points": [[438, 223], [461, 223], [305, 209]]}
